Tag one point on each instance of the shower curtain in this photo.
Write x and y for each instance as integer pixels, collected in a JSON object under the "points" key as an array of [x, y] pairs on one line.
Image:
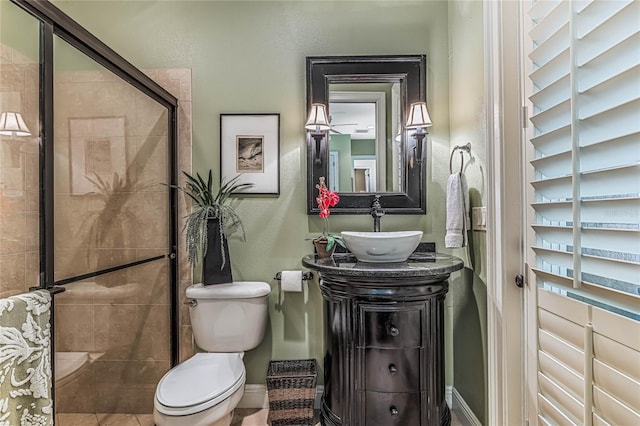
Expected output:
{"points": [[25, 368]]}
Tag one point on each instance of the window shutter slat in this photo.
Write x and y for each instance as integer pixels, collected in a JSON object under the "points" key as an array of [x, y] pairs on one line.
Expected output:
{"points": [[623, 213], [552, 414], [594, 37], [599, 421], [561, 327], [553, 118], [569, 378], [621, 270], [613, 410], [616, 328], [617, 384], [553, 94], [613, 240], [610, 153], [597, 12], [624, 358], [554, 165], [561, 235], [553, 142], [556, 189], [555, 70], [541, 9], [609, 64], [607, 183], [618, 90], [552, 47], [611, 124], [554, 391], [549, 21], [555, 258]]}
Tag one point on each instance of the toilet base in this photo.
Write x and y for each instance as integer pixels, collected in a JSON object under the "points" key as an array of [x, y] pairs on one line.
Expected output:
{"points": [[219, 415]]}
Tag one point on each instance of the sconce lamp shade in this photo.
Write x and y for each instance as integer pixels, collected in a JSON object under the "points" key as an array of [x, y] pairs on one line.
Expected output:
{"points": [[418, 116], [12, 124], [318, 119]]}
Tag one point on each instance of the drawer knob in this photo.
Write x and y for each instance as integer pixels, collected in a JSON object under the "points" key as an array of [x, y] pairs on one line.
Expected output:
{"points": [[393, 369], [393, 330], [393, 410]]}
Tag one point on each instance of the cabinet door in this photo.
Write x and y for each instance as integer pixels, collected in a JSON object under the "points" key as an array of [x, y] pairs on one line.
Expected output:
{"points": [[391, 328], [392, 409], [392, 370]]}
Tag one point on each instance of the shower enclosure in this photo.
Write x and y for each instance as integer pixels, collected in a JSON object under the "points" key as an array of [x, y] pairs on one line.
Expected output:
{"points": [[86, 210]]}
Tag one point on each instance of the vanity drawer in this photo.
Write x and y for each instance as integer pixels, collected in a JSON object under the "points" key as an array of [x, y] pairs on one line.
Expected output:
{"points": [[392, 329], [392, 409], [392, 370]]}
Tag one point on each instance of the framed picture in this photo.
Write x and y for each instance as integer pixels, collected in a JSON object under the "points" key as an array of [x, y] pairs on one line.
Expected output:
{"points": [[250, 148], [97, 150]]}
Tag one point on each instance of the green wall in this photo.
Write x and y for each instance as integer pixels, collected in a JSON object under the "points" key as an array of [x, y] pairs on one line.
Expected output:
{"points": [[468, 294], [363, 147], [250, 57], [342, 144], [19, 30]]}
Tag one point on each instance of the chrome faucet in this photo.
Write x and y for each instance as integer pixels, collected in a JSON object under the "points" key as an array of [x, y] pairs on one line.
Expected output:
{"points": [[376, 213]]}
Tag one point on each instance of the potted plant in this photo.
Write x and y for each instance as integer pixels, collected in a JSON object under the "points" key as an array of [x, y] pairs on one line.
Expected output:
{"points": [[211, 221], [325, 244]]}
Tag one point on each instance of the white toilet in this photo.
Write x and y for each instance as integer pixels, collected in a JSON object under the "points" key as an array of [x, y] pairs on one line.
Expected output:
{"points": [[227, 319]]}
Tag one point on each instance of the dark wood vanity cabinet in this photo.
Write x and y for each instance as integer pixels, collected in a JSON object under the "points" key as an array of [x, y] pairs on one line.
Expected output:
{"points": [[384, 342]]}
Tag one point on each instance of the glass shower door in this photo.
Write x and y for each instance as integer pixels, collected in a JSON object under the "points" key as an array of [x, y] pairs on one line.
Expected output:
{"points": [[111, 215]]}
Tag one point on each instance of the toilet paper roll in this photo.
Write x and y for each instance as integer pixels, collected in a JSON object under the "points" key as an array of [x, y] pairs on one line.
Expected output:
{"points": [[291, 281]]}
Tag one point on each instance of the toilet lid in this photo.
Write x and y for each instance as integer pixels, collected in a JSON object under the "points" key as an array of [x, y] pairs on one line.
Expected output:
{"points": [[234, 290], [200, 382]]}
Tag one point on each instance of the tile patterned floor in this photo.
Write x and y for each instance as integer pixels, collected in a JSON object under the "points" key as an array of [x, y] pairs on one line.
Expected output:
{"points": [[242, 417], [68, 419]]}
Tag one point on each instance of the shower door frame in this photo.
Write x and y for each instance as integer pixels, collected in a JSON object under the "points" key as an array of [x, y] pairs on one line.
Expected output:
{"points": [[54, 22]]}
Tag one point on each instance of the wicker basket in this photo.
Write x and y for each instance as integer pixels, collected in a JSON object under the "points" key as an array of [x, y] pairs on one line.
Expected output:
{"points": [[292, 392]]}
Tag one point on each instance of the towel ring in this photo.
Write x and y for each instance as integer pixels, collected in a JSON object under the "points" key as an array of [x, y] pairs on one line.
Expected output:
{"points": [[467, 148]]}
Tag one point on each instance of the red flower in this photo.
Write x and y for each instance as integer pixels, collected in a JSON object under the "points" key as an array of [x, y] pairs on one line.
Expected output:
{"points": [[326, 198]]}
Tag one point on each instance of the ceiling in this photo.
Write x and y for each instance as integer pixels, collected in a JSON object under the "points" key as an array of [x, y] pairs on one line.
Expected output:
{"points": [[355, 118]]}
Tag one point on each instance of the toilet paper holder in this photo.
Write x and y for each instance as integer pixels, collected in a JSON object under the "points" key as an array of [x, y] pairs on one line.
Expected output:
{"points": [[306, 276]]}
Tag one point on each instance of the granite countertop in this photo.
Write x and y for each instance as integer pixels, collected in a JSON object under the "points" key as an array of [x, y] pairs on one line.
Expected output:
{"points": [[436, 265]]}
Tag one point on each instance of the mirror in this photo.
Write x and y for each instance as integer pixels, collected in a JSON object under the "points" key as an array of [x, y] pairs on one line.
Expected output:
{"points": [[364, 137], [366, 150]]}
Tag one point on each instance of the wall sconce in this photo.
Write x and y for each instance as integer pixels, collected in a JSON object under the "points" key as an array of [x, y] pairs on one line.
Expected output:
{"points": [[318, 123], [418, 119], [12, 124]]}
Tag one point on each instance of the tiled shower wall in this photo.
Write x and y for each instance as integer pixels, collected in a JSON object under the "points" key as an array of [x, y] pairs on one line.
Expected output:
{"points": [[120, 319], [19, 242], [125, 322]]}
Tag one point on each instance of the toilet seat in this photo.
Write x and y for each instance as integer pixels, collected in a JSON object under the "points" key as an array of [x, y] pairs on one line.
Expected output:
{"points": [[199, 383]]}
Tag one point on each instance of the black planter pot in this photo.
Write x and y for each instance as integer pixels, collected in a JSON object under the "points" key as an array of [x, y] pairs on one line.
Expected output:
{"points": [[213, 270]]}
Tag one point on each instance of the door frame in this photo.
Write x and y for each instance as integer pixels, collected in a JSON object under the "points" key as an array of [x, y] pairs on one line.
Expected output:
{"points": [[505, 213]]}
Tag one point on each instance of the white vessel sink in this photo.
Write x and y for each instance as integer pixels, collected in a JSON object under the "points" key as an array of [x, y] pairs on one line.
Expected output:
{"points": [[382, 247]]}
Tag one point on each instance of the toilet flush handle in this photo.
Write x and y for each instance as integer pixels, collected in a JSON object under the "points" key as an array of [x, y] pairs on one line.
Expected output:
{"points": [[191, 302]]}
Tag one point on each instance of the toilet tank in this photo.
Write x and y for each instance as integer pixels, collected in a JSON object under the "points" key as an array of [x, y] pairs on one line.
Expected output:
{"points": [[229, 317]]}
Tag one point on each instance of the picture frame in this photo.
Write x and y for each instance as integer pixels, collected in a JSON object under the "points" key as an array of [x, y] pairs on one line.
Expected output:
{"points": [[250, 149], [97, 149]]}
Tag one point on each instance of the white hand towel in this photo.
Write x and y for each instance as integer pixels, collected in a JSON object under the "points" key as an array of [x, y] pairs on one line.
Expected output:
{"points": [[457, 211]]}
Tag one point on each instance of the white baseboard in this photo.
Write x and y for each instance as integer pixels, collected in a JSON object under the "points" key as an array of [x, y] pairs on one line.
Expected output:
{"points": [[257, 396], [462, 410]]}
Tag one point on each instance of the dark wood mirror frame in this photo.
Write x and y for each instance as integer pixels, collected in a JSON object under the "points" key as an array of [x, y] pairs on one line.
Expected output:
{"points": [[410, 71]]}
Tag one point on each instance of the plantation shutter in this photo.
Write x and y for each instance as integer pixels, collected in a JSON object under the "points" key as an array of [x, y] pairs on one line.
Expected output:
{"points": [[585, 94]]}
